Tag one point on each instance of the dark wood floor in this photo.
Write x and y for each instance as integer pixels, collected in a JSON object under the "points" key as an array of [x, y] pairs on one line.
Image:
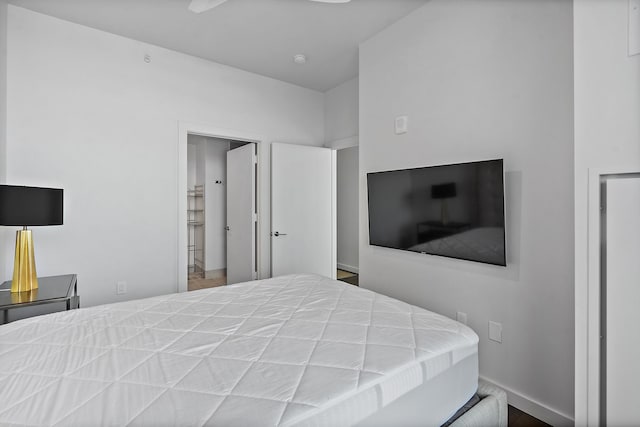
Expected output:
{"points": [[347, 276], [517, 418]]}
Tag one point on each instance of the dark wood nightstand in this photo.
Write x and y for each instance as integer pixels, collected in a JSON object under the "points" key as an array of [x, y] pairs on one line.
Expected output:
{"points": [[53, 289]]}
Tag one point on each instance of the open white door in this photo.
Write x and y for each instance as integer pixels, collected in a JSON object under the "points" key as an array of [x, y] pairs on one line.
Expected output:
{"points": [[303, 210], [241, 214]]}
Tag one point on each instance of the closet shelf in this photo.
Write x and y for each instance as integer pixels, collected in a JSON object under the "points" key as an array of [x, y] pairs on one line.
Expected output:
{"points": [[195, 224]]}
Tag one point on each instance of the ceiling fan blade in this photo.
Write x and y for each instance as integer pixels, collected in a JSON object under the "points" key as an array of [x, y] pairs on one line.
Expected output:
{"points": [[199, 6]]}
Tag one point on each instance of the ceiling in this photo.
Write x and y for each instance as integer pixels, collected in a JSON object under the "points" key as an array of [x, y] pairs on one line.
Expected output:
{"points": [[260, 36]]}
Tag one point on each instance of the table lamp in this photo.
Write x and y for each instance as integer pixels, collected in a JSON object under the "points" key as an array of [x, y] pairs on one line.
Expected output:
{"points": [[444, 192], [23, 207]]}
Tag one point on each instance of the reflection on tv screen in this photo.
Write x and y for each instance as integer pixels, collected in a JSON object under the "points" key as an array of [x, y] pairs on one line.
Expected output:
{"points": [[452, 210]]}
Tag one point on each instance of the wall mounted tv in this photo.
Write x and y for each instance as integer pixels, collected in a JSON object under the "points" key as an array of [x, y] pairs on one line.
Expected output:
{"points": [[454, 211]]}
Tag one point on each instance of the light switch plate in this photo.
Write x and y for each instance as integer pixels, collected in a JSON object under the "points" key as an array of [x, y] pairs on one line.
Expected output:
{"points": [[402, 125], [495, 331]]}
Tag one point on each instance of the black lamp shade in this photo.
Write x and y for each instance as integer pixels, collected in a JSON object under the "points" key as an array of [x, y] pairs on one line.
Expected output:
{"points": [[30, 206], [443, 191]]}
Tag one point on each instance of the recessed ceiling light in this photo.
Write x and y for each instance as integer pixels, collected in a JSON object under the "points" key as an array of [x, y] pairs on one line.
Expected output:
{"points": [[300, 58]]}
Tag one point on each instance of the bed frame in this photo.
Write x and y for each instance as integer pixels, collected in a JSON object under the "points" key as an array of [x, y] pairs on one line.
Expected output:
{"points": [[490, 411]]}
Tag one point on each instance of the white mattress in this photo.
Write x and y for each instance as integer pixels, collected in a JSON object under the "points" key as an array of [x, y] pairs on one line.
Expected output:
{"points": [[298, 349], [434, 401]]}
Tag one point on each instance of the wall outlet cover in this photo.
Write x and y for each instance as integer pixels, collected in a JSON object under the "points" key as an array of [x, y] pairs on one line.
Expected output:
{"points": [[121, 288], [495, 331]]}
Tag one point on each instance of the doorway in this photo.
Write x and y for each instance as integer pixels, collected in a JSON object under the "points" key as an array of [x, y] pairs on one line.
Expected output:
{"points": [[221, 211], [347, 214]]}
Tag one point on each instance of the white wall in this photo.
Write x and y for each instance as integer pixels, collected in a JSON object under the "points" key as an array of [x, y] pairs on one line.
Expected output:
{"points": [[3, 92], [341, 115], [607, 138], [483, 80], [347, 208], [191, 165], [87, 114], [341, 133], [201, 162], [3, 125]]}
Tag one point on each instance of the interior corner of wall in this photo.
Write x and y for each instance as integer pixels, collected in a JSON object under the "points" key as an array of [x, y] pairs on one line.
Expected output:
{"points": [[339, 144]]}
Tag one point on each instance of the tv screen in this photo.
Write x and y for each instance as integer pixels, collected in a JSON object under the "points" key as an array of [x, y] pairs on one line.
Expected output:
{"points": [[455, 210]]}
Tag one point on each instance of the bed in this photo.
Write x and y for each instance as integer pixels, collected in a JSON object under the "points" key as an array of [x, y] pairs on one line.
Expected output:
{"points": [[292, 350]]}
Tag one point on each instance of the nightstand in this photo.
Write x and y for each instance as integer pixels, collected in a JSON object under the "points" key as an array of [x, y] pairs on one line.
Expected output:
{"points": [[52, 289]]}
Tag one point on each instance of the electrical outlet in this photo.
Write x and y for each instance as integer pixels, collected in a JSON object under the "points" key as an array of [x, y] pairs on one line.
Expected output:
{"points": [[461, 317], [495, 331], [121, 288]]}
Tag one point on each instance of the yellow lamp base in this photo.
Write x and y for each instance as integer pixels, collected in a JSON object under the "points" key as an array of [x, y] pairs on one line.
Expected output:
{"points": [[24, 266], [22, 297]]}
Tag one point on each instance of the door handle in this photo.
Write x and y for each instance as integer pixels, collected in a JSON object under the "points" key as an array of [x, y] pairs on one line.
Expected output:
{"points": [[227, 228], [277, 233]]}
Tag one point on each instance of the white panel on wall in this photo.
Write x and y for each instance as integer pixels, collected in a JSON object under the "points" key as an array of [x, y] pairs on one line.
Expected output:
{"points": [[622, 296]]}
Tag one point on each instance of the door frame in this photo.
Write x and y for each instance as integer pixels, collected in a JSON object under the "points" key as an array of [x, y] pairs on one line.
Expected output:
{"points": [[184, 130], [588, 306]]}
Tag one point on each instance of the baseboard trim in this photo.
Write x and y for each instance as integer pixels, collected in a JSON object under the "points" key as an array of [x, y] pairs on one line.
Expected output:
{"points": [[534, 408], [349, 268]]}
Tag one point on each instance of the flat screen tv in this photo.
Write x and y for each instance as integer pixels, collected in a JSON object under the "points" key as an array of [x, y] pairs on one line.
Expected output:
{"points": [[454, 210]]}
